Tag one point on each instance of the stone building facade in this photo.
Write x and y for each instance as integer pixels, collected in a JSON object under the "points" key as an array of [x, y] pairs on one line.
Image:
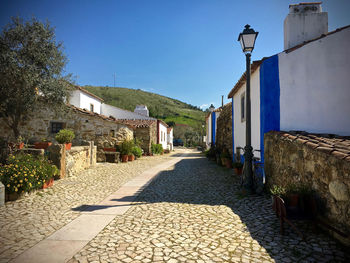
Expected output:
{"points": [[321, 162], [224, 129], [145, 131], [44, 122]]}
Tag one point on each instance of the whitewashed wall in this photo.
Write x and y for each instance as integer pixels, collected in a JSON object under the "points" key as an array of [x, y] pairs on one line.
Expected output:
{"points": [[75, 98], [170, 138], [118, 113], [315, 86], [239, 126], [162, 135], [85, 101], [208, 131]]}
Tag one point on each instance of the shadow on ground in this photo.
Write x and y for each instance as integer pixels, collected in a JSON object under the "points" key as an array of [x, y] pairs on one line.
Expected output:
{"points": [[197, 181]]}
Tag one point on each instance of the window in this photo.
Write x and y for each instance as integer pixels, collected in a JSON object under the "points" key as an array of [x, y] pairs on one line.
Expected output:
{"points": [[243, 107], [56, 126], [111, 133], [91, 107]]}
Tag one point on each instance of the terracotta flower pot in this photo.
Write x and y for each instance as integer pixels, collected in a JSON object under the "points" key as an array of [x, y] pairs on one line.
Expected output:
{"points": [[42, 145], [68, 146], [228, 163], [109, 149], [125, 158], [20, 145], [293, 200], [238, 171], [48, 183], [131, 157]]}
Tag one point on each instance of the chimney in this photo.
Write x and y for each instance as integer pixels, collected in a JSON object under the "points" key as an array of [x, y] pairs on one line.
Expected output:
{"points": [[222, 100], [304, 22], [142, 110]]}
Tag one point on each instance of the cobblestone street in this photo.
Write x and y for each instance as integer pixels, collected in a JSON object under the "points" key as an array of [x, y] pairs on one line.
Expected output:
{"points": [[25, 222], [191, 212]]}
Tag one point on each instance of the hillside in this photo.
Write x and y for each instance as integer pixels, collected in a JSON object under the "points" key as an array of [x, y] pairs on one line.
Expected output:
{"points": [[160, 107]]}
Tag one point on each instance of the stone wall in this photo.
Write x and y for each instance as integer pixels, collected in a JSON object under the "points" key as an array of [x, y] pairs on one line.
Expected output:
{"points": [[86, 125], [80, 158], [320, 161], [147, 136], [224, 129]]}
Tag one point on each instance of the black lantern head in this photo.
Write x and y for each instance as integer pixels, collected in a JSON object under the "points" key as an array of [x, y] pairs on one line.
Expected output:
{"points": [[247, 39]]}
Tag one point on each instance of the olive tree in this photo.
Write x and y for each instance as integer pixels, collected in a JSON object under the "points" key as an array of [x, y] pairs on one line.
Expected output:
{"points": [[31, 70]]}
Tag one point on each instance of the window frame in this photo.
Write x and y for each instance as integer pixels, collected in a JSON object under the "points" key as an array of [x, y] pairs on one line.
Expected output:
{"points": [[55, 123]]}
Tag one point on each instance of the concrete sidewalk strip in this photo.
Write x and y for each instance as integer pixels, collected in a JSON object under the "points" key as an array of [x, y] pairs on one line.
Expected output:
{"points": [[84, 227], [67, 241], [53, 251]]}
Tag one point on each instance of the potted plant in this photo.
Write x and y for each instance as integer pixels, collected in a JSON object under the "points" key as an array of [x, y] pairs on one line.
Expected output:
{"points": [[43, 144], [20, 142], [226, 159], [238, 166], [125, 150], [136, 151], [292, 194], [276, 190], [65, 136]]}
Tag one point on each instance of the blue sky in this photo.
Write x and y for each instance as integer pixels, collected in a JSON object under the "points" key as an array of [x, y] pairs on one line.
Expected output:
{"points": [[184, 49]]}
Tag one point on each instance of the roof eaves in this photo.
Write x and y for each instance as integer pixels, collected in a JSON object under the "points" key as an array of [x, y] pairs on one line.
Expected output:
{"points": [[88, 92], [243, 78]]}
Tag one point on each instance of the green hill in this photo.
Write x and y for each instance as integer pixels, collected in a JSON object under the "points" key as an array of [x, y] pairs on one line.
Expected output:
{"points": [[160, 107]]}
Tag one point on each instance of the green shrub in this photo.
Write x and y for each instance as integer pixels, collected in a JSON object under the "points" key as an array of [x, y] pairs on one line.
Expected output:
{"points": [[126, 147], [277, 190], [156, 148], [25, 172], [65, 136], [137, 151]]}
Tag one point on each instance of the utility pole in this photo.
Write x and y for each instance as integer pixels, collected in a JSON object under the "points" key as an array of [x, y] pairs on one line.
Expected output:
{"points": [[114, 79], [222, 100]]}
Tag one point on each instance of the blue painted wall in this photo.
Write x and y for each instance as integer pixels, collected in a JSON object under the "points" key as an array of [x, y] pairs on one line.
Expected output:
{"points": [[269, 99], [213, 128]]}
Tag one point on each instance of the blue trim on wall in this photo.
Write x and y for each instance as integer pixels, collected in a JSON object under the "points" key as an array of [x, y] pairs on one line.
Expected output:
{"points": [[242, 158], [269, 99], [233, 133], [213, 128]]}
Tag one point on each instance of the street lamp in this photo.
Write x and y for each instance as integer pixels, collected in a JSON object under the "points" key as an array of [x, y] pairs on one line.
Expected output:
{"points": [[247, 40]]}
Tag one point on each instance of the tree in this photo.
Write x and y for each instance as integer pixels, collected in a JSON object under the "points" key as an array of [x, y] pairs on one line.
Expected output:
{"points": [[31, 67]]}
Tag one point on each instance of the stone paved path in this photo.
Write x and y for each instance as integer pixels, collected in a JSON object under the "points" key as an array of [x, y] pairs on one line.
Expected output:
{"points": [[192, 213], [25, 222]]}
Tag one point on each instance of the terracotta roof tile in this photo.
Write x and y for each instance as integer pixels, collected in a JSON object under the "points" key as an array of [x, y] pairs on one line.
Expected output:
{"points": [[93, 114], [335, 145], [139, 123]]}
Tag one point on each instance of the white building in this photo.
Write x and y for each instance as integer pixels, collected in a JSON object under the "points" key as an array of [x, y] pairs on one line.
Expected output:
{"points": [[142, 110], [305, 87], [121, 114], [170, 138], [162, 133], [211, 126], [84, 99]]}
